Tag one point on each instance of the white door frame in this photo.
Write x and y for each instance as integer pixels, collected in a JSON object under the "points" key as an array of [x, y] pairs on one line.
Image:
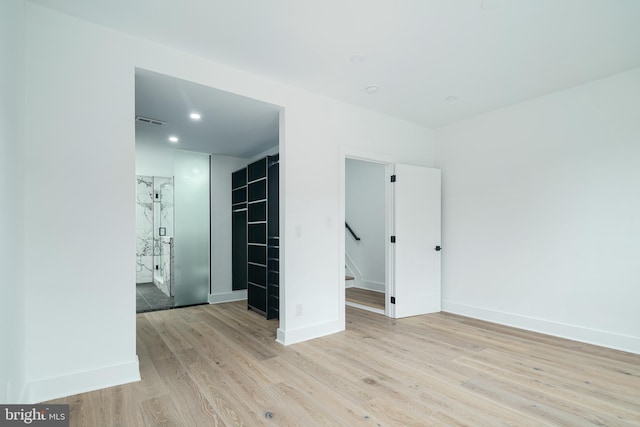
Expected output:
{"points": [[389, 163]]}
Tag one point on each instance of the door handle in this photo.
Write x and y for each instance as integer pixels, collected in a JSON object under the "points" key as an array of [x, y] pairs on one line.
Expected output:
{"points": [[438, 248]]}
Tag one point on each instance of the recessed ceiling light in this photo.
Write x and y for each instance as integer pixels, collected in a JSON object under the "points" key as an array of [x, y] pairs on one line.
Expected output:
{"points": [[173, 139], [357, 59], [195, 116], [372, 89], [451, 98]]}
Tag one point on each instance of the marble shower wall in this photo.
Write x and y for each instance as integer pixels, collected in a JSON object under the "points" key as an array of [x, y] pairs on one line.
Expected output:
{"points": [[144, 229], [154, 228], [162, 211], [163, 278]]}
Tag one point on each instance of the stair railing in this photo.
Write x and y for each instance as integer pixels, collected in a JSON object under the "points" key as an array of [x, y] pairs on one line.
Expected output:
{"points": [[355, 236]]}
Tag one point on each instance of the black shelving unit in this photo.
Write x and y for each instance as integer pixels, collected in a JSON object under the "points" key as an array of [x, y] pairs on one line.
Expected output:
{"points": [[257, 236], [255, 201], [273, 238], [239, 229]]}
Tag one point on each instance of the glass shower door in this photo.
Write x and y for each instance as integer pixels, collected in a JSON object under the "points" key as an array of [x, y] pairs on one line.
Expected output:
{"points": [[163, 233]]}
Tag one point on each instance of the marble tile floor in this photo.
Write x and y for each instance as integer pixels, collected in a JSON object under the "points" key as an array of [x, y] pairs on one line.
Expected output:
{"points": [[150, 298]]}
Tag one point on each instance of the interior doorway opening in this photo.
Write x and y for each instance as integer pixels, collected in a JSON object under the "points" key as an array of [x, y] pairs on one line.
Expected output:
{"points": [[411, 239], [175, 119], [366, 230]]}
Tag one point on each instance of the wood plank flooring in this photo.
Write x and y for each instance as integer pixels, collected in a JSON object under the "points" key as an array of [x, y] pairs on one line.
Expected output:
{"points": [[218, 365], [365, 297]]}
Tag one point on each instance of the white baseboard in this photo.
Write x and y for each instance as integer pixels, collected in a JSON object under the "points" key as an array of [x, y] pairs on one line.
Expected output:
{"points": [[372, 286], [365, 307], [82, 382], [24, 394], [562, 330], [310, 332], [228, 297], [15, 393], [359, 281]]}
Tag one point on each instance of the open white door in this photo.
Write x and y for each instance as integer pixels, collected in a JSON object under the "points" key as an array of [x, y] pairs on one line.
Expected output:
{"points": [[417, 247]]}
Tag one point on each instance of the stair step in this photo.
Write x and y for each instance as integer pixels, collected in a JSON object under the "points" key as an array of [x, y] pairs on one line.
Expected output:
{"points": [[349, 278]]}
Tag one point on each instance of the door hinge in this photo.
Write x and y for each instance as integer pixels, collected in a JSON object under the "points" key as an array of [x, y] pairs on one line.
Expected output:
{"points": [[393, 300], [393, 178], [393, 239]]}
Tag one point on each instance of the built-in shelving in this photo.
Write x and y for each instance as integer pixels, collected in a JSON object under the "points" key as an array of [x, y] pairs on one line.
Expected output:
{"points": [[273, 238], [261, 239], [239, 229]]}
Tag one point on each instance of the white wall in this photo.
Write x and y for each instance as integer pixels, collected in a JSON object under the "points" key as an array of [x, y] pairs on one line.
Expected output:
{"points": [[318, 131], [365, 213], [541, 223], [221, 169], [154, 159], [83, 169], [12, 300], [79, 209], [533, 194]]}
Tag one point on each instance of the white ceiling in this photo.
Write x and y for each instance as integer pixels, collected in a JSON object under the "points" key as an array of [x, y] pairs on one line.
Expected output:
{"points": [[488, 54], [230, 124]]}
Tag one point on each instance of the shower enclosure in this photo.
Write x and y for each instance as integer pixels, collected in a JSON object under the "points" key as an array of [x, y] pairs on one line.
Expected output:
{"points": [[154, 229]]}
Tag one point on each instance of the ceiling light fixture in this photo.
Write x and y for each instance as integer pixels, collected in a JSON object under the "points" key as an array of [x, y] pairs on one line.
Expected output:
{"points": [[372, 89], [451, 98], [195, 116], [356, 59], [173, 139]]}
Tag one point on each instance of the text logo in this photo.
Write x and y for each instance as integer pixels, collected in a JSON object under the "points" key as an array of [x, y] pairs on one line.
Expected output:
{"points": [[34, 415]]}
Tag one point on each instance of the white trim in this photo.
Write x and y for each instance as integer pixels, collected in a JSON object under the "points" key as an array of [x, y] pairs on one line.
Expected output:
{"points": [[354, 270], [557, 329], [15, 394], [349, 283], [359, 281], [24, 394], [388, 161], [81, 382], [228, 297], [365, 307], [309, 332], [351, 265], [282, 219], [372, 286]]}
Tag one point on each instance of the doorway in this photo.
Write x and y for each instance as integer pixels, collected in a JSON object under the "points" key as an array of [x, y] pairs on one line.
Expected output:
{"points": [[411, 239], [366, 221], [174, 118]]}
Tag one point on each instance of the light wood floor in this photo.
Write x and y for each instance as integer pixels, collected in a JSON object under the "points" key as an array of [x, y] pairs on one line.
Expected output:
{"points": [[218, 365], [365, 297]]}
